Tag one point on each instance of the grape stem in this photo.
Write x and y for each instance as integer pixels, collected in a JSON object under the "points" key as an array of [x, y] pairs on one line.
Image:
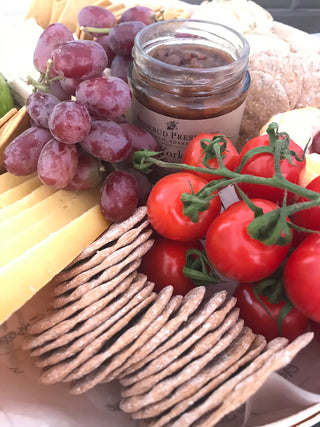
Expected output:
{"points": [[95, 30], [270, 228]]}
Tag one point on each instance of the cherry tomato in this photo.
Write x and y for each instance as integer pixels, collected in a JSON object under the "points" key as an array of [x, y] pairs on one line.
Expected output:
{"points": [[309, 218], [302, 277], [164, 262], [263, 165], [165, 208], [259, 320], [234, 253], [194, 155]]}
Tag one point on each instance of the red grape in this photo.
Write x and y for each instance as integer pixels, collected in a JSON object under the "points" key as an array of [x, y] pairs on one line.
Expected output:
{"points": [[105, 97], [120, 66], [139, 139], [315, 145], [57, 90], [144, 185], [54, 34], [39, 106], [119, 196], [21, 155], [139, 13], [96, 16], [107, 141], [57, 163], [121, 37], [69, 122], [69, 85], [104, 42], [87, 174], [79, 59]]}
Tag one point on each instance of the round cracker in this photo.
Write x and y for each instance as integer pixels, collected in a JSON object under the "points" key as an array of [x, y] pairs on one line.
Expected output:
{"points": [[266, 97]]}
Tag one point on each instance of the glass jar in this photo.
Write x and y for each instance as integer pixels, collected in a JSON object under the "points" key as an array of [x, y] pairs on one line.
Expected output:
{"points": [[188, 77]]}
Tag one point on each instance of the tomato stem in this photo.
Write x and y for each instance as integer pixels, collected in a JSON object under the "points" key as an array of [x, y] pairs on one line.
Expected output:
{"points": [[199, 269], [270, 228]]}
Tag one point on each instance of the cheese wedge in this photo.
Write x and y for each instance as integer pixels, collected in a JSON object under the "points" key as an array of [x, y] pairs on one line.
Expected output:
{"points": [[8, 180], [15, 244], [26, 202], [42, 230], [21, 278], [16, 193], [15, 225]]}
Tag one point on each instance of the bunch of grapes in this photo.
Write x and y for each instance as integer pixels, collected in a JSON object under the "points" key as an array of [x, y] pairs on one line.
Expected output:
{"points": [[79, 136], [117, 40]]}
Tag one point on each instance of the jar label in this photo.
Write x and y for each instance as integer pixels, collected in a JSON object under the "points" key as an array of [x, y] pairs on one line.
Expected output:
{"points": [[173, 134]]}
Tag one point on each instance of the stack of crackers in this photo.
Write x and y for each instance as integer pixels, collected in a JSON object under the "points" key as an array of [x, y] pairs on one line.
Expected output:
{"points": [[177, 358], [12, 124]]}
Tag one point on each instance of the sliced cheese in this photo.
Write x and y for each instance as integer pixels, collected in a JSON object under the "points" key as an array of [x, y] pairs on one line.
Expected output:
{"points": [[21, 278], [16, 193], [8, 180], [51, 221], [16, 224], [26, 202]]}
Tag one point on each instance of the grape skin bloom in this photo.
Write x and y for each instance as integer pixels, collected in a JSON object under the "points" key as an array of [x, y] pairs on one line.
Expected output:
{"points": [[69, 122], [105, 97]]}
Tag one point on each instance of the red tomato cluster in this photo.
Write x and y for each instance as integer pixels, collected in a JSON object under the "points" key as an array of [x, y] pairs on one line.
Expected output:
{"points": [[232, 252]]}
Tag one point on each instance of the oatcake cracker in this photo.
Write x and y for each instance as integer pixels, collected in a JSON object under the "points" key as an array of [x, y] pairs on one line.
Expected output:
{"points": [[189, 304], [309, 67], [108, 268], [94, 370], [247, 387], [108, 317], [41, 343], [172, 360], [122, 359], [124, 292], [256, 112], [283, 69], [220, 363], [93, 301], [60, 371], [176, 330], [198, 320], [114, 231], [166, 386], [220, 393], [102, 253], [200, 386]]}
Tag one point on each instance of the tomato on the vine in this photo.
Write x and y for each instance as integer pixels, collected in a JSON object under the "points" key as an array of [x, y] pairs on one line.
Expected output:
{"points": [[262, 165], [234, 253], [194, 155], [309, 218], [163, 264], [263, 318], [165, 208], [302, 277]]}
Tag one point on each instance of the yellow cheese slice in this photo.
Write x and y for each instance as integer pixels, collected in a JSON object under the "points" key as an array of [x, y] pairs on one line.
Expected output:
{"points": [[51, 221], [26, 202], [8, 180], [16, 193], [21, 278], [16, 224]]}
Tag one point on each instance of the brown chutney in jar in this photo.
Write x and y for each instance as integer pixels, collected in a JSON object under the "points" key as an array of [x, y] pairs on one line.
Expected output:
{"points": [[188, 77]]}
